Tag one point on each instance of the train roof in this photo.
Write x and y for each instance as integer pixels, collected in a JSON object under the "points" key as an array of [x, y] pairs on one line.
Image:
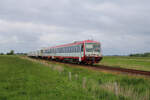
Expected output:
{"points": [[74, 43]]}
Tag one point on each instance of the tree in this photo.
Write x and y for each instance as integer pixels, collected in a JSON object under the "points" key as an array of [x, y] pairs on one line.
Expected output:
{"points": [[11, 52], [1, 53]]}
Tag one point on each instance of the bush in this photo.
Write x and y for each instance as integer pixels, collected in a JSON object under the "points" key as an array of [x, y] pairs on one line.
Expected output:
{"points": [[1, 53], [140, 55], [11, 52]]}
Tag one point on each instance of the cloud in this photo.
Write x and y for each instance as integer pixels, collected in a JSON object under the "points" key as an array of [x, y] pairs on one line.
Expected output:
{"points": [[121, 26]]}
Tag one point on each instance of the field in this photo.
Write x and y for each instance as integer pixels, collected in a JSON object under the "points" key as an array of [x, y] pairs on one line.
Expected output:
{"points": [[139, 63], [22, 78]]}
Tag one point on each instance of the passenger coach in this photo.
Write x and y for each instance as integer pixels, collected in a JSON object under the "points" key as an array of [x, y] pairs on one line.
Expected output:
{"points": [[87, 52]]}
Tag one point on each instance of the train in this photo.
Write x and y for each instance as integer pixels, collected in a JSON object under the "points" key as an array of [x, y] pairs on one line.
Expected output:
{"points": [[81, 52]]}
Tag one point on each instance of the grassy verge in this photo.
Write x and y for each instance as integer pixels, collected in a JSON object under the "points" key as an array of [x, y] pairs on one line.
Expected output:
{"points": [[26, 79], [139, 63]]}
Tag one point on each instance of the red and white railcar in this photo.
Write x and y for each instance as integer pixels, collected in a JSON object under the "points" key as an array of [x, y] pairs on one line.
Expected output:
{"points": [[87, 52]]}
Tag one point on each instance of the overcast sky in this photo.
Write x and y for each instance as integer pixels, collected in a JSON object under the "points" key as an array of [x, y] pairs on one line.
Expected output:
{"points": [[122, 26]]}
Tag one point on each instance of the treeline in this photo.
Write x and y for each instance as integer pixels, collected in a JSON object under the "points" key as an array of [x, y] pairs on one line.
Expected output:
{"points": [[140, 55], [12, 53]]}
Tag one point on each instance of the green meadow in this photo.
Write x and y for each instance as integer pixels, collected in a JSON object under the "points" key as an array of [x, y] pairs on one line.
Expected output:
{"points": [[139, 63], [22, 78]]}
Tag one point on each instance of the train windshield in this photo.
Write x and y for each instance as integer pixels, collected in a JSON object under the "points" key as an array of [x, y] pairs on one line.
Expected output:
{"points": [[92, 47]]}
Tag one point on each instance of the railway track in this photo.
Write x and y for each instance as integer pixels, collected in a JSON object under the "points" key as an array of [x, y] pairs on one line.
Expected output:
{"points": [[123, 70], [109, 68], [117, 69]]}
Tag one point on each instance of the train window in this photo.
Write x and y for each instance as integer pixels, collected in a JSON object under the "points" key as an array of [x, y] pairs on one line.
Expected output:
{"points": [[65, 49], [56, 50], [73, 49], [62, 50], [59, 50], [90, 47], [69, 49], [76, 49], [50, 50]]}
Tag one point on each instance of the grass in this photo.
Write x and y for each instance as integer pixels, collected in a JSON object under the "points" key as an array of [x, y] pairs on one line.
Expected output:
{"points": [[139, 63], [27, 79]]}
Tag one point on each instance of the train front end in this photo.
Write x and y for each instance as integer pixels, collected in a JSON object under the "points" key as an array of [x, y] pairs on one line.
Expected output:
{"points": [[92, 52]]}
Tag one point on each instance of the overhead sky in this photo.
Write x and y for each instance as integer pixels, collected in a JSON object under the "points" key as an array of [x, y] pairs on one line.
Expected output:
{"points": [[122, 26]]}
